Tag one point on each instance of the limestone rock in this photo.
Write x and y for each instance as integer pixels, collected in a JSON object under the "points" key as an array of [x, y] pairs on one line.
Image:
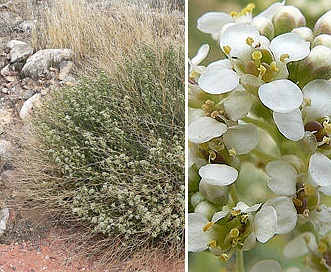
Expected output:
{"points": [[37, 66], [20, 52], [32, 102], [65, 68], [4, 217]]}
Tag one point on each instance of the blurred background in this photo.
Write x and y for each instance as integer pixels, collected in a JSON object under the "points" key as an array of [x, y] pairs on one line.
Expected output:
{"points": [[205, 261]]}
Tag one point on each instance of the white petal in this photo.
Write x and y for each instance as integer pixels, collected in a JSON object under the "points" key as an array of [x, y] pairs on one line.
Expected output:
{"points": [[298, 246], [195, 113], [235, 36], [244, 208], [217, 79], [271, 10], [318, 92], [267, 265], [321, 219], [265, 224], [249, 242], [286, 213], [326, 190], [238, 104], [290, 124], [281, 95], [212, 22], [201, 55], [219, 215], [243, 138], [218, 174], [320, 169], [283, 177], [197, 238], [292, 44], [204, 129]]}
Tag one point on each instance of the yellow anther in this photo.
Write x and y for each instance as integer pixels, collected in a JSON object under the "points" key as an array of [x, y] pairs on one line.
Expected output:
{"points": [[224, 257], [309, 189], [283, 57], [249, 40], [212, 244], [262, 70], [232, 152], [214, 114], [307, 102], [326, 140], [227, 49], [207, 226], [273, 67], [322, 247], [327, 127], [256, 55], [233, 14], [249, 8], [297, 202], [244, 218], [234, 232], [235, 212]]}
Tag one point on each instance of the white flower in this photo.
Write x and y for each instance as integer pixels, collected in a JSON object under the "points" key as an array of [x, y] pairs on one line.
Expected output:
{"points": [[198, 238], [214, 23], [318, 95], [218, 174], [197, 59], [242, 138], [284, 97], [301, 245], [251, 53], [320, 171]]}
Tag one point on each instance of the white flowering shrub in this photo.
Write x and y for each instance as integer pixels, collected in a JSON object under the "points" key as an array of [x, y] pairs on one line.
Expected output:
{"points": [[264, 108], [118, 145]]}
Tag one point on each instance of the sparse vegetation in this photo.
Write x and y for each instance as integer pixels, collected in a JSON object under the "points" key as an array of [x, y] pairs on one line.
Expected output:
{"points": [[109, 152]]}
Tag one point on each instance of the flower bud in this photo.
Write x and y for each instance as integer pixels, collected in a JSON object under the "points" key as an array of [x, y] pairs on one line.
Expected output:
{"points": [[206, 209], [323, 39], [316, 66], [264, 26], [323, 24], [287, 18], [218, 195], [305, 32]]}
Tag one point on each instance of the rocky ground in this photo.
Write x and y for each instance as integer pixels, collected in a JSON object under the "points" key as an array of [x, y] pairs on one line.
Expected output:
{"points": [[26, 78]]}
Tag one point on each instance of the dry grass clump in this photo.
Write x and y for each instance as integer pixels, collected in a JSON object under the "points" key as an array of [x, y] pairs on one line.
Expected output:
{"points": [[100, 33]]}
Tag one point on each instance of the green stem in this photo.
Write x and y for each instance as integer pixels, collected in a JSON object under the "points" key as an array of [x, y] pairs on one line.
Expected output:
{"points": [[240, 260]]}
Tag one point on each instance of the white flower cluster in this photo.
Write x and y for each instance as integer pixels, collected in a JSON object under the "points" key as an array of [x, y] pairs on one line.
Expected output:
{"points": [[272, 87]]}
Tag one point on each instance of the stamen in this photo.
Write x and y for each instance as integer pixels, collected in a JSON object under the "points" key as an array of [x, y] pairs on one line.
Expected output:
{"points": [[283, 57], [327, 127], [273, 67], [207, 226], [233, 14], [256, 55], [232, 152], [227, 49], [325, 141], [234, 232], [235, 212], [244, 219], [297, 202], [212, 155], [306, 213], [215, 114], [262, 71], [249, 40], [322, 247], [212, 244], [224, 257]]}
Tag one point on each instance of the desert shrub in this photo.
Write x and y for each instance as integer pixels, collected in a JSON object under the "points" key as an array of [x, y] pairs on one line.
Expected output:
{"points": [[118, 149]]}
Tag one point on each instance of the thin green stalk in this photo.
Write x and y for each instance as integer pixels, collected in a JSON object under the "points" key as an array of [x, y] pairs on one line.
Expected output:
{"points": [[240, 260]]}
